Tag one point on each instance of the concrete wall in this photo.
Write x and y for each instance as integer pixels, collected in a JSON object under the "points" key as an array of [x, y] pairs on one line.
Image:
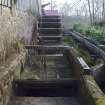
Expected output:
{"points": [[13, 28], [18, 24], [30, 5], [7, 74], [24, 5], [90, 92]]}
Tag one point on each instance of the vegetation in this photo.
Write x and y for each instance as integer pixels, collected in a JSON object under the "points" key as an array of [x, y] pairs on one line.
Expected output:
{"points": [[94, 92], [81, 52], [86, 56], [10, 41], [15, 1], [9, 46], [68, 40], [96, 32], [28, 73]]}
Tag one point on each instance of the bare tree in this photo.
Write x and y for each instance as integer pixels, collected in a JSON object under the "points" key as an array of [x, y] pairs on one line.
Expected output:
{"points": [[53, 4], [103, 11], [65, 9], [90, 11], [93, 11]]}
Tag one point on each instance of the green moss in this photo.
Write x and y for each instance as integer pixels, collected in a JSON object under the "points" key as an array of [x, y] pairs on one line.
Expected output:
{"points": [[68, 40], [17, 74], [19, 45], [100, 101], [81, 52], [92, 86], [86, 56], [95, 95], [27, 73]]}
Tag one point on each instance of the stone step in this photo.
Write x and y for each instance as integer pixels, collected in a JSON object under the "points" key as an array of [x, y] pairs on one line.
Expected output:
{"points": [[50, 42], [51, 72], [51, 34], [50, 20], [44, 47], [45, 88], [49, 24], [50, 31], [51, 16], [50, 55], [50, 37], [45, 101]]}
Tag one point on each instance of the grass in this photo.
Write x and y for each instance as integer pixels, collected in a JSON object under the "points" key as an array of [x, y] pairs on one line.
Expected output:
{"points": [[86, 56], [68, 40], [28, 73], [81, 52], [95, 32]]}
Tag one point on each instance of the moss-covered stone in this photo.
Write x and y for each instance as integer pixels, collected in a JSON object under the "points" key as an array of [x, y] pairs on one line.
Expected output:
{"points": [[8, 73], [81, 51], [100, 101], [95, 95], [28, 73], [94, 89]]}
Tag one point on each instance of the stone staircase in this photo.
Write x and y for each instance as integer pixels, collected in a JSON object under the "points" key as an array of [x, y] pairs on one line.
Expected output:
{"points": [[57, 85], [50, 30]]}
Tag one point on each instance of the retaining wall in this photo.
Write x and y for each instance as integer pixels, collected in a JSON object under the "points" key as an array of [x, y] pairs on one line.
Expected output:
{"points": [[8, 72], [12, 27], [89, 90]]}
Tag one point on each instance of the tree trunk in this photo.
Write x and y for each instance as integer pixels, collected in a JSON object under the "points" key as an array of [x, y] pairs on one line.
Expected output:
{"points": [[93, 14], [103, 12], [90, 11]]}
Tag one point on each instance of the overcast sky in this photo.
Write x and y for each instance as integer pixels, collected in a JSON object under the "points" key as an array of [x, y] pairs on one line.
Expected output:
{"points": [[74, 5], [60, 2]]}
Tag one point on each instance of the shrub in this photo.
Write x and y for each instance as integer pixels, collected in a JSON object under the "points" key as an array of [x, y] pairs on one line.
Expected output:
{"points": [[96, 32]]}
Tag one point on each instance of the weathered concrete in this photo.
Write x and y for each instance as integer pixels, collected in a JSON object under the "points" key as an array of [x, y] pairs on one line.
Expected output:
{"points": [[45, 88], [7, 73], [89, 90], [49, 24], [15, 28], [44, 101]]}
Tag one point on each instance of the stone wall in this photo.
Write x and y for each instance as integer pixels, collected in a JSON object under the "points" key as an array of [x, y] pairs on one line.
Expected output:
{"points": [[89, 89], [17, 24], [14, 28], [7, 73]]}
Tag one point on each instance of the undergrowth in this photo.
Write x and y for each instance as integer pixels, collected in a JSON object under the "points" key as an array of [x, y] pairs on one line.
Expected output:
{"points": [[95, 32], [81, 52]]}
